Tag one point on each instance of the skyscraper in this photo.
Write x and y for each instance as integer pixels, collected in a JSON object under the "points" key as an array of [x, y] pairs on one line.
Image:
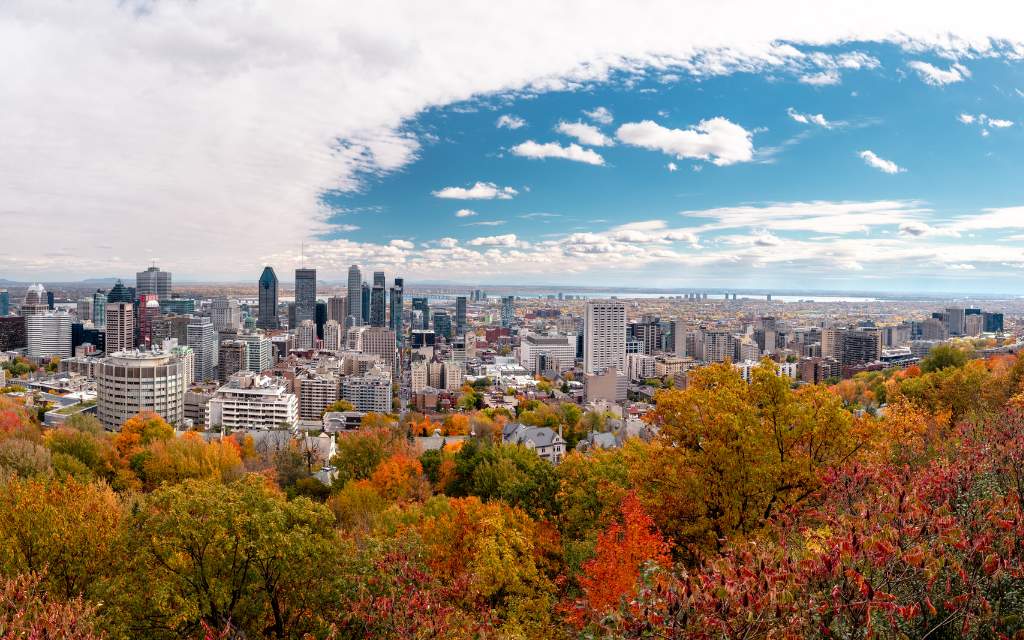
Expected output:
{"points": [[364, 306], [305, 295], [153, 281], [423, 306], [99, 309], [120, 323], [226, 314], [508, 312], [377, 301], [378, 279], [443, 325], [395, 319], [321, 318], [604, 338], [268, 300], [202, 338], [5, 303], [355, 294], [149, 309], [35, 301], [460, 315], [120, 293], [336, 309]]}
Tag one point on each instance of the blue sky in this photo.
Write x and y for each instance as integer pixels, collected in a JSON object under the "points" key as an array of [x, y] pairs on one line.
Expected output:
{"points": [[703, 144], [948, 170]]}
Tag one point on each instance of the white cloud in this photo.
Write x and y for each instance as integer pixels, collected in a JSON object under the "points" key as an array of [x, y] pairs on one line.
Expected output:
{"points": [[346, 227], [121, 113], [671, 166], [448, 243], [998, 123], [822, 78], [479, 191], [716, 140], [600, 115], [809, 118], [485, 223], [507, 121], [885, 166], [965, 118], [585, 133], [820, 216], [507, 240], [402, 244], [465, 213], [937, 76], [574, 152]]}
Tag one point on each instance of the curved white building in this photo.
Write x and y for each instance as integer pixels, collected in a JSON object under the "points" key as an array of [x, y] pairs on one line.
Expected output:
{"points": [[129, 382]]}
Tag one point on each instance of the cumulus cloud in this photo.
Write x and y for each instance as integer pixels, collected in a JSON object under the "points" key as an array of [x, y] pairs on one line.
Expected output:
{"points": [[507, 121], [872, 159], [600, 115], [507, 240], [465, 213], [402, 244], [573, 151], [966, 118], [479, 191], [821, 78], [671, 166], [937, 76], [585, 133], [809, 118], [716, 140]]}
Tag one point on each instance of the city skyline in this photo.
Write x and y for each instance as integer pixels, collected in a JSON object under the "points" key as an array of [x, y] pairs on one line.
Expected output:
{"points": [[853, 152]]}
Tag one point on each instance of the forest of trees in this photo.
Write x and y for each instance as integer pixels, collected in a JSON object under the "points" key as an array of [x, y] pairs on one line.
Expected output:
{"points": [[888, 506]]}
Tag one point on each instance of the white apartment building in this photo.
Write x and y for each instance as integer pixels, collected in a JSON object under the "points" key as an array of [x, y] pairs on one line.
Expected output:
{"points": [[419, 374], [316, 391], [252, 401], [260, 350], [781, 369], [604, 339], [305, 335], [333, 335], [129, 382], [370, 391], [640, 366]]}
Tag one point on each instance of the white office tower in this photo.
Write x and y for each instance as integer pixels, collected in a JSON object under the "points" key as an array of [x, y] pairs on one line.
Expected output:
{"points": [[538, 352], [120, 321], [604, 338], [48, 335], [226, 314], [355, 294], [35, 301], [130, 382], [305, 335], [202, 338], [261, 352], [251, 401], [333, 335]]}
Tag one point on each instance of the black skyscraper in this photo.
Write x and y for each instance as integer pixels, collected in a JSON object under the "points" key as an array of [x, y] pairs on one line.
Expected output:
{"points": [[120, 293], [305, 295], [366, 303], [268, 300], [321, 318]]}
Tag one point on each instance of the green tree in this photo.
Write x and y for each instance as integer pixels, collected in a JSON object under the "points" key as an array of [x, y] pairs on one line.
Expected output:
{"points": [[943, 356]]}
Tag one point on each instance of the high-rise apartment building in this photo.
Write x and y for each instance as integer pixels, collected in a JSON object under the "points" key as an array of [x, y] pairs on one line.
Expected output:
{"points": [[232, 357], [305, 295], [316, 391], [153, 281], [305, 335], [267, 313], [380, 342], [508, 312], [355, 294], [719, 346], [259, 350], [134, 381], [120, 323], [860, 346], [202, 338], [604, 337], [370, 391], [334, 335], [48, 335]]}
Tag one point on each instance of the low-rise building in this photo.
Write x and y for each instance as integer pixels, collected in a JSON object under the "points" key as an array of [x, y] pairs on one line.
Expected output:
{"points": [[253, 401]]}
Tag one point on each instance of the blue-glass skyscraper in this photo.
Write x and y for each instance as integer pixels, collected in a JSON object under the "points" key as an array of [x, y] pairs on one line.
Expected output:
{"points": [[268, 300]]}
